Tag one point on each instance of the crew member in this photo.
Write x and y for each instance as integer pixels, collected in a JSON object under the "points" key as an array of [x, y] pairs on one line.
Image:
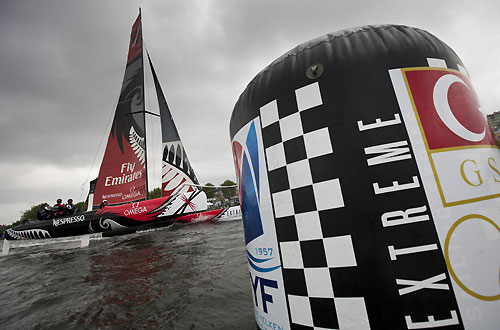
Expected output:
{"points": [[58, 209], [44, 213], [70, 208], [104, 203]]}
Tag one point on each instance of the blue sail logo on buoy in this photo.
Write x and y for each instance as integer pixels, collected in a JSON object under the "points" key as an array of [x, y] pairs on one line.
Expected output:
{"points": [[247, 163], [247, 158], [260, 237]]}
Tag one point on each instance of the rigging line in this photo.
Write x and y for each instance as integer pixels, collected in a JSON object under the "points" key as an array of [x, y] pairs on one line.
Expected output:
{"points": [[158, 130], [159, 155], [151, 69], [145, 111], [97, 151], [146, 81], [152, 131], [203, 186], [200, 179], [153, 138]]}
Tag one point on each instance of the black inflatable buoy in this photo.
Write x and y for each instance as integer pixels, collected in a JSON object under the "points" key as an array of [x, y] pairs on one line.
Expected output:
{"points": [[369, 185]]}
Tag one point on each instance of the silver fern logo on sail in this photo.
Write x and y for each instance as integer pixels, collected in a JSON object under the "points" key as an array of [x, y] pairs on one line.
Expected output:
{"points": [[137, 144]]}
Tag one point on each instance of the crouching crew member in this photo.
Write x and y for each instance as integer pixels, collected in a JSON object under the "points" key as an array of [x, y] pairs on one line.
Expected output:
{"points": [[70, 208]]}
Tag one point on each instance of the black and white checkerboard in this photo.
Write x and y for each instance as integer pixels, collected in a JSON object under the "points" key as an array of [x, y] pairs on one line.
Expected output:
{"points": [[303, 194]]}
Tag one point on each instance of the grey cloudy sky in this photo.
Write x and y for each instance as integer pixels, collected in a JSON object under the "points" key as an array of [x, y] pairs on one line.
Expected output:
{"points": [[62, 62]]}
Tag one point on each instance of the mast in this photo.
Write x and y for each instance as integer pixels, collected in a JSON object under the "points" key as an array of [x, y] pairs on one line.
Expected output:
{"points": [[144, 116]]}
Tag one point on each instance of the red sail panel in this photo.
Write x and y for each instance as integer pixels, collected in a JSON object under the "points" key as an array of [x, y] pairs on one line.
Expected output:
{"points": [[122, 176], [135, 47]]}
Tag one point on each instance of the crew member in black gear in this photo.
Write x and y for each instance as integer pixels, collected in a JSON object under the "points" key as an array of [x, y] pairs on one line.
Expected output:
{"points": [[70, 208], [58, 209], [104, 203], [44, 213]]}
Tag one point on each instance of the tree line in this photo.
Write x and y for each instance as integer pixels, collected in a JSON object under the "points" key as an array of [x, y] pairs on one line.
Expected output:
{"points": [[226, 193]]}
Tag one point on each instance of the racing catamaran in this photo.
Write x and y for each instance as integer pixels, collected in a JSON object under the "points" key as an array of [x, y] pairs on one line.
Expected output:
{"points": [[122, 179]]}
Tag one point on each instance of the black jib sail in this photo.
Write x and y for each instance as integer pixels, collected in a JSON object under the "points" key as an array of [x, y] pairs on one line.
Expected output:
{"points": [[177, 173]]}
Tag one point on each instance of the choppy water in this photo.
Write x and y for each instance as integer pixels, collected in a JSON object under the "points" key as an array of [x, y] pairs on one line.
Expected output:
{"points": [[183, 277]]}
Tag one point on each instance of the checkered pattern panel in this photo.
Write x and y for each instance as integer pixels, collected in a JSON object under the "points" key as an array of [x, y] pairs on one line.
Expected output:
{"points": [[301, 188]]}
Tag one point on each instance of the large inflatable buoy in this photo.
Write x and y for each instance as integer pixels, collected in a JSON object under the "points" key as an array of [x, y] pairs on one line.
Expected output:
{"points": [[369, 183]]}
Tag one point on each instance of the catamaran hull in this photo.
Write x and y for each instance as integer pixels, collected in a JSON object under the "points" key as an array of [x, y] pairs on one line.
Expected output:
{"points": [[126, 218], [46, 229], [200, 216]]}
